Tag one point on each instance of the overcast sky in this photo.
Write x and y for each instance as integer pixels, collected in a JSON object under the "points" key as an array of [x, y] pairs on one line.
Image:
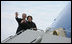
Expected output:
{"points": [[43, 13]]}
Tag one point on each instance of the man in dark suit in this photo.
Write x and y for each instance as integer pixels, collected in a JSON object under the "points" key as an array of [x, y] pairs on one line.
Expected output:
{"points": [[22, 23]]}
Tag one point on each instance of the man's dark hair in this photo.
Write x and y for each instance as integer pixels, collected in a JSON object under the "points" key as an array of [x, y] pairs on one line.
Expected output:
{"points": [[30, 17]]}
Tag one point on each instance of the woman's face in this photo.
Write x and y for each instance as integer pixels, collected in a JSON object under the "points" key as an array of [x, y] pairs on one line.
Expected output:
{"points": [[29, 19]]}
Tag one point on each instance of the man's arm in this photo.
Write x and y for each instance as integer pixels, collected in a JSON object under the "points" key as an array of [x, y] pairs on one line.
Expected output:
{"points": [[16, 14], [16, 17]]}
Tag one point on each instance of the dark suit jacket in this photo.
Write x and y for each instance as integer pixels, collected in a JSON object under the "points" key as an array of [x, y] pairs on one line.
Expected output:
{"points": [[21, 26]]}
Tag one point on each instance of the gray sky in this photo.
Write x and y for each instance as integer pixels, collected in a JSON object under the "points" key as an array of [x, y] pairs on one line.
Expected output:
{"points": [[43, 13]]}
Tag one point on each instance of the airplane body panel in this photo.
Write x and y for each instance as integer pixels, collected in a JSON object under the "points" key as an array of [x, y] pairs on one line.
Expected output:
{"points": [[64, 20], [48, 38], [25, 37]]}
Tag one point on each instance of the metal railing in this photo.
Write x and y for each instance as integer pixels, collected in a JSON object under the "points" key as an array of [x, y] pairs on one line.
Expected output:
{"points": [[11, 37]]}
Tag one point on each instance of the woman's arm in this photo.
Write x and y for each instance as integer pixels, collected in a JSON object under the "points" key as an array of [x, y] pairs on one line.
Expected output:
{"points": [[34, 26]]}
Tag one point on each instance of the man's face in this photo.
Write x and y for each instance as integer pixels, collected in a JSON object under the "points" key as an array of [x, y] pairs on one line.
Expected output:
{"points": [[29, 19], [23, 15]]}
